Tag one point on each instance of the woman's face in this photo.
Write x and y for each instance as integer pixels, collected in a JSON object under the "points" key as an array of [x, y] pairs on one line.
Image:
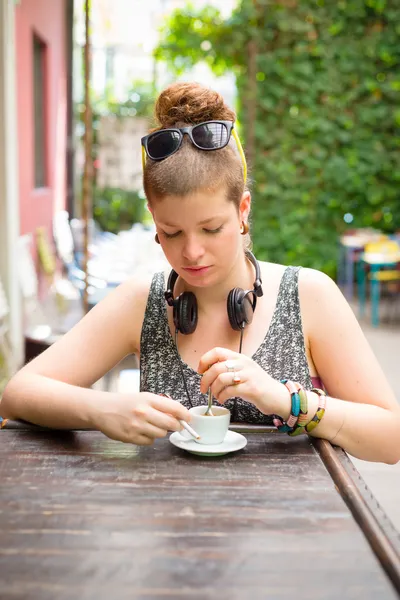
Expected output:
{"points": [[200, 234]]}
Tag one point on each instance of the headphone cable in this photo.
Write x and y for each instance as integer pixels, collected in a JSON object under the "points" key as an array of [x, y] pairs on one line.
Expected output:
{"points": [[181, 368]]}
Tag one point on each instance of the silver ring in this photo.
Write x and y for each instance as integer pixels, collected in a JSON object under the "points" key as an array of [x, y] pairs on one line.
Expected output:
{"points": [[230, 366]]}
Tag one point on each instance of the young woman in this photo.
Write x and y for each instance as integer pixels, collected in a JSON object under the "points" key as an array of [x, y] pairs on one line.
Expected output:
{"points": [[293, 325]]}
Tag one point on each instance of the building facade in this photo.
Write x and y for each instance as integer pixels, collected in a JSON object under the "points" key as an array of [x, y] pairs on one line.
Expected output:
{"points": [[34, 129]]}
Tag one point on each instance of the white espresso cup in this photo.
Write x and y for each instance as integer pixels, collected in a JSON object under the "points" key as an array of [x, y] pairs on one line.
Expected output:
{"points": [[212, 430]]}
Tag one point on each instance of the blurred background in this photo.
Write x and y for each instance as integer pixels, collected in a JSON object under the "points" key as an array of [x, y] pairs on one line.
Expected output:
{"points": [[316, 88]]}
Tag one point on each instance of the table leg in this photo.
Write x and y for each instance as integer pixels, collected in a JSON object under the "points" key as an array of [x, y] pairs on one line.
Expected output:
{"points": [[349, 272], [375, 294], [341, 275], [361, 288]]}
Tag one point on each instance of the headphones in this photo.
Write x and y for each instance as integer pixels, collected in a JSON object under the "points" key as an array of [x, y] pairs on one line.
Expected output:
{"points": [[239, 305]]}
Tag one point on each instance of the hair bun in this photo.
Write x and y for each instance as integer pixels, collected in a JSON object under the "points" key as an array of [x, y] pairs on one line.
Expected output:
{"points": [[190, 103]]}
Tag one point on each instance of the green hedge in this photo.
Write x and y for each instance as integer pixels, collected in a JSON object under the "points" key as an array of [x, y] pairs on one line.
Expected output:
{"points": [[328, 116], [115, 209]]}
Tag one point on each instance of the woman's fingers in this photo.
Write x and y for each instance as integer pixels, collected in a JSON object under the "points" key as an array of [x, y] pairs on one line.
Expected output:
{"points": [[210, 376], [151, 431], [224, 387], [170, 407], [163, 421], [231, 366], [142, 440], [214, 356]]}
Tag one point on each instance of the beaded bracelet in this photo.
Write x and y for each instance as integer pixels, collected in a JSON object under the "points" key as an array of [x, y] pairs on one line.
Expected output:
{"points": [[303, 415], [320, 410], [286, 426]]}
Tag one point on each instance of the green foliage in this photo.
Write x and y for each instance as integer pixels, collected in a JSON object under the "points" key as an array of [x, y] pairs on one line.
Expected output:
{"points": [[327, 128], [115, 209]]}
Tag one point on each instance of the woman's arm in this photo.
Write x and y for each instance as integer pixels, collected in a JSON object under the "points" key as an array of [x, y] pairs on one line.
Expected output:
{"points": [[362, 415], [52, 390]]}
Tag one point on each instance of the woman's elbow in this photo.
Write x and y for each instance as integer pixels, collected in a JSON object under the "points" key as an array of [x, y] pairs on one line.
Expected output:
{"points": [[393, 456], [393, 451], [9, 398]]}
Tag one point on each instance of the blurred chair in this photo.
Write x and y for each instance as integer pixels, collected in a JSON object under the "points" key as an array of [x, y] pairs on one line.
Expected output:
{"points": [[65, 249], [351, 246], [381, 260], [45, 321]]}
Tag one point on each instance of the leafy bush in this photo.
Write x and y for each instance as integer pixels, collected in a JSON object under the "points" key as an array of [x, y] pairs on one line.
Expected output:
{"points": [[326, 133], [115, 209]]}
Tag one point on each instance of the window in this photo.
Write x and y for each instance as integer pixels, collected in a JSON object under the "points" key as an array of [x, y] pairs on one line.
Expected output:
{"points": [[39, 111]]}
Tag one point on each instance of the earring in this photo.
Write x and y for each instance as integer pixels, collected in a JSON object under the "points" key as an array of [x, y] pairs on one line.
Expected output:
{"points": [[157, 239], [244, 228]]}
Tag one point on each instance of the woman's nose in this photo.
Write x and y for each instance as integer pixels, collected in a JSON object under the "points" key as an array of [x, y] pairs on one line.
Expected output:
{"points": [[193, 250]]}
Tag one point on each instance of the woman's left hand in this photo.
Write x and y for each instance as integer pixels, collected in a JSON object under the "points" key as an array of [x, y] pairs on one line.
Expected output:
{"points": [[232, 374]]}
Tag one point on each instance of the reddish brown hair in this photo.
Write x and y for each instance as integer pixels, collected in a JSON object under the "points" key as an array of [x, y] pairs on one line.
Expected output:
{"points": [[190, 169]]}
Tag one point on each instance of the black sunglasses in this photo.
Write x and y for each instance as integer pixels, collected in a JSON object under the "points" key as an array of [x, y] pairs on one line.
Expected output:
{"points": [[210, 135]]}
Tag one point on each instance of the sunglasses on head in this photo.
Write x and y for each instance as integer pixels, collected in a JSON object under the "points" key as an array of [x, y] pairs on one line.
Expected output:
{"points": [[210, 135]]}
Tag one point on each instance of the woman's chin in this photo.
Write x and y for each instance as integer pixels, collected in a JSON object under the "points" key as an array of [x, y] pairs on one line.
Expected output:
{"points": [[201, 278]]}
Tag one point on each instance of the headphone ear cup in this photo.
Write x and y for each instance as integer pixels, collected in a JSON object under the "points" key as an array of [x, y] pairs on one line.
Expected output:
{"points": [[185, 313], [240, 309]]}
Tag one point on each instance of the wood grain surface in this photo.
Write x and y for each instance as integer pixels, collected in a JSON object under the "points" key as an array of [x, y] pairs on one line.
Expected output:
{"points": [[84, 517]]}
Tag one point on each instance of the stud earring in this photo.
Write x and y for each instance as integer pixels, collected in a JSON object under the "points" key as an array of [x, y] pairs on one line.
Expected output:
{"points": [[244, 228], [156, 239]]}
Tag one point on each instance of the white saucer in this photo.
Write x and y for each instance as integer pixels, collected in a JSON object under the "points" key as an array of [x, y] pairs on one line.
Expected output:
{"points": [[233, 441]]}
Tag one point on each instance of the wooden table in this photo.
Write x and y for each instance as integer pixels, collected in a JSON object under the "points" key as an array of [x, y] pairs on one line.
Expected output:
{"points": [[84, 517]]}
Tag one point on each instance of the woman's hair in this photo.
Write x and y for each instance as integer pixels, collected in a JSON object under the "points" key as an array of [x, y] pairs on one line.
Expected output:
{"points": [[190, 169]]}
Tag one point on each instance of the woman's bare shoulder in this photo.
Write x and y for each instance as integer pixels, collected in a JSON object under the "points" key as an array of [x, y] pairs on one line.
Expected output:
{"points": [[271, 273], [131, 297]]}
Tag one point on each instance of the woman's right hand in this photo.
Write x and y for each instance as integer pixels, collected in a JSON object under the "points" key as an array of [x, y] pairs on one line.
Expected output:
{"points": [[138, 418]]}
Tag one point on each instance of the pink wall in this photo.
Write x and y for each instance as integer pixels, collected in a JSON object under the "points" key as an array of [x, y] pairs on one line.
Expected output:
{"points": [[47, 20]]}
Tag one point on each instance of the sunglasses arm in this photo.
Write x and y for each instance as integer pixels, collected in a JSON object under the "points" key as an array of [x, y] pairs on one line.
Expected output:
{"points": [[242, 156], [143, 158]]}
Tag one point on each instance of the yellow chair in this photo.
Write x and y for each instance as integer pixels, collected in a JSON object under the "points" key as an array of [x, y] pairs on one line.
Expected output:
{"points": [[378, 256], [385, 247]]}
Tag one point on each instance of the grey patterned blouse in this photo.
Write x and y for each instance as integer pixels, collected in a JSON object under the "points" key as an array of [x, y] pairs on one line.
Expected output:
{"points": [[281, 353]]}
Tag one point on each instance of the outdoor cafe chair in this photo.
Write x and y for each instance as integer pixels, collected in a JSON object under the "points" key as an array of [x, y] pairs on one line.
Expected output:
{"points": [[381, 260]]}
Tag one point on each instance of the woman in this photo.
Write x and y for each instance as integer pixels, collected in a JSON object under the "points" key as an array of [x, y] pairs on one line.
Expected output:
{"points": [[294, 323]]}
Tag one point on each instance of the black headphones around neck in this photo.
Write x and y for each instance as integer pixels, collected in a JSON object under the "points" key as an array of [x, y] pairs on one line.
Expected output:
{"points": [[239, 306]]}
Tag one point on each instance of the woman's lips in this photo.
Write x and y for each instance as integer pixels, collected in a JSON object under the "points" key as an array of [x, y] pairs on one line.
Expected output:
{"points": [[196, 270]]}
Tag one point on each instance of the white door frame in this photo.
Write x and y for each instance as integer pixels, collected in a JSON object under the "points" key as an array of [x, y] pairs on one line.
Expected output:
{"points": [[9, 193]]}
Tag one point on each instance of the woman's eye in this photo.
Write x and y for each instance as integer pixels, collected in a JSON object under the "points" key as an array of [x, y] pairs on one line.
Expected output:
{"points": [[213, 230], [169, 236]]}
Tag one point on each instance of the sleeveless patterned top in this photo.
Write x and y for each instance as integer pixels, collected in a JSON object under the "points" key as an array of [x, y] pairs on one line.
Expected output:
{"points": [[281, 353]]}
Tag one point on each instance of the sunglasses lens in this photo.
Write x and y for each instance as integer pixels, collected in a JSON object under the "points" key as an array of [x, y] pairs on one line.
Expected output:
{"points": [[211, 136], [162, 143]]}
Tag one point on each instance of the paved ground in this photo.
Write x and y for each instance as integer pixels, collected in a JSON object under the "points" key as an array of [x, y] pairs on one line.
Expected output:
{"points": [[384, 480]]}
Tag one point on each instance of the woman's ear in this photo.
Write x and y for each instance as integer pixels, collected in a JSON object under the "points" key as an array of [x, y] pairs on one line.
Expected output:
{"points": [[244, 207]]}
